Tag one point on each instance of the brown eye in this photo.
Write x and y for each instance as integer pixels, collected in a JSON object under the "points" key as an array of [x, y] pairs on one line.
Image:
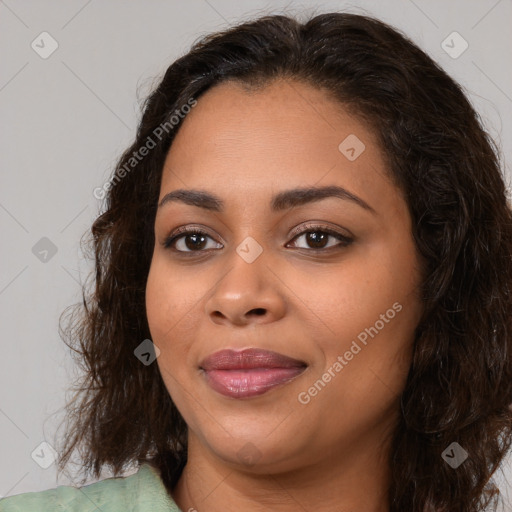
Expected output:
{"points": [[318, 238], [193, 240], [188, 241]]}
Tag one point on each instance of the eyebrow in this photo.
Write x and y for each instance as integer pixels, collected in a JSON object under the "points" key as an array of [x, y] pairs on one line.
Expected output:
{"points": [[281, 201]]}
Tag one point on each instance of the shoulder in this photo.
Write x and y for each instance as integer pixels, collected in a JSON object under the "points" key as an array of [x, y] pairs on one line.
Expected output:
{"points": [[142, 491]]}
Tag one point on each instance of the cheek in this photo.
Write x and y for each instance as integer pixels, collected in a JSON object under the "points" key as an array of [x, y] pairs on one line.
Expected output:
{"points": [[343, 300], [366, 312], [164, 310], [159, 303], [377, 310], [169, 299], [173, 302]]}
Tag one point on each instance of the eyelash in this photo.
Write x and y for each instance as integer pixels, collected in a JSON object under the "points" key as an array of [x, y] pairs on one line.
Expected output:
{"points": [[182, 232]]}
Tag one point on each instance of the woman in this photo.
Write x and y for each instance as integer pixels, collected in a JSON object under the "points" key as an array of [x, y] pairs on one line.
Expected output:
{"points": [[302, 286]]}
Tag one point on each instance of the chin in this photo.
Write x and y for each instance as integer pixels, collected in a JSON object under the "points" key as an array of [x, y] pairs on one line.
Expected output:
{"points": [[256, 452]]}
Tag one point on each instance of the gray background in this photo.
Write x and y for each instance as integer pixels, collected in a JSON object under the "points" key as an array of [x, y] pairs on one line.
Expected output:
{"points": [[67, 118]]}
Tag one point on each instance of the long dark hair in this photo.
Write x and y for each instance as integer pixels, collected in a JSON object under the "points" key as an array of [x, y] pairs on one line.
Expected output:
{"points": [[459, 386]]}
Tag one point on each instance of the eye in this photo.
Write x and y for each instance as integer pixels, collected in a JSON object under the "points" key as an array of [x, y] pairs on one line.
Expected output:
{"points": [[189, 239], [318, 237]]}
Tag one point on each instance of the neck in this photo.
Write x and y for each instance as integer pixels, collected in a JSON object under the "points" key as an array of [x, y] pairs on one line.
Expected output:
{"points": [[353, 479]]}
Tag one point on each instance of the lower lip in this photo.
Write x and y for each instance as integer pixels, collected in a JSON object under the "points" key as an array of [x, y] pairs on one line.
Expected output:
{"points": [[248, 383]]}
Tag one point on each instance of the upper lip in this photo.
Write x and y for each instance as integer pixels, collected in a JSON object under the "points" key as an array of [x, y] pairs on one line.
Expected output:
{"points": [[248, 359]]}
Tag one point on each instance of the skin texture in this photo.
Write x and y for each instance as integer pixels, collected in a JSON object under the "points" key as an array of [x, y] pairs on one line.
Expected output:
{"points": [[331, 453]]}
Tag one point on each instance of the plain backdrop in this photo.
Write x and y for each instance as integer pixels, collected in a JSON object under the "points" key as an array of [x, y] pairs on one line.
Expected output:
{"points": [[66, 118]]}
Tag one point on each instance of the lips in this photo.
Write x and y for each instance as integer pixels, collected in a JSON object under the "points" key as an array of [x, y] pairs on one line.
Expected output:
{"points": [[250, 372]]}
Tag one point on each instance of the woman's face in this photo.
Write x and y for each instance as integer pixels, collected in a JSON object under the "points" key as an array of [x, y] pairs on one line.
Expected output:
{"points": [[328, 280]]}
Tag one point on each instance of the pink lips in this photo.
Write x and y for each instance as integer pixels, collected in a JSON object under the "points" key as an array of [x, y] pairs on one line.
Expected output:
{"points": [[250, 372]]}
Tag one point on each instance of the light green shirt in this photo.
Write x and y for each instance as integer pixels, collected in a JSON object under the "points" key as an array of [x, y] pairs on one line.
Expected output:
{"points": [[143, 491]]}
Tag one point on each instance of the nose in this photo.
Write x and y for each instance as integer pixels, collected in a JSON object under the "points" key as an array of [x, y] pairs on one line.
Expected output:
{"points": [[247, 293]]}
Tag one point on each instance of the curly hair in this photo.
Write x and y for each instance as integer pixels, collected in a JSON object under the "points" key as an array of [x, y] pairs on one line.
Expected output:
{"points": [[459, 386]]}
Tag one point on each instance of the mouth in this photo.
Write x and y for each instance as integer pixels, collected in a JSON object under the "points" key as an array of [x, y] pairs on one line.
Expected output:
{"points": [[250, 372]]}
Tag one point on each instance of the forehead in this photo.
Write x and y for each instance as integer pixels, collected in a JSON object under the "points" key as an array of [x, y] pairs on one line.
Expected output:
{"points": [[285, 134]]}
